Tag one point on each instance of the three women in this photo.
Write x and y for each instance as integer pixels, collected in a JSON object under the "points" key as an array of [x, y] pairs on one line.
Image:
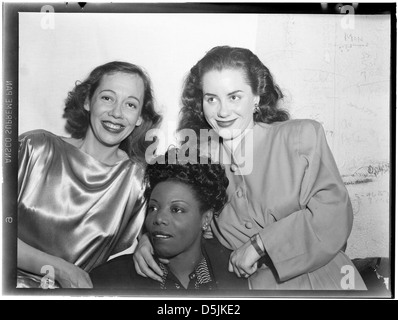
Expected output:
{"points": [[288, 218]]}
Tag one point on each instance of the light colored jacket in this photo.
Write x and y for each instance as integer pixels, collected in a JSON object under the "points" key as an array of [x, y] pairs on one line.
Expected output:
{"points": [[295, 199]]}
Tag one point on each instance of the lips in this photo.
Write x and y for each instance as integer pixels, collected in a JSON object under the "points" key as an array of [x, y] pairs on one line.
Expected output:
{"points": [[112, 127], [225, 124], [160, 235]]}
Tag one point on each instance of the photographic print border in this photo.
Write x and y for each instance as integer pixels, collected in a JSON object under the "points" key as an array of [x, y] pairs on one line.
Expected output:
{"points": [[10, 129]]}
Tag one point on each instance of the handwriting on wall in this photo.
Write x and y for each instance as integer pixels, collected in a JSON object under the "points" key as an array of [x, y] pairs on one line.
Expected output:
{"points": [[341, 78]]}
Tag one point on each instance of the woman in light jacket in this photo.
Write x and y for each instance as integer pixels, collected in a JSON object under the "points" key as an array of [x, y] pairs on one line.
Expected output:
{"points": [[289, 215]]}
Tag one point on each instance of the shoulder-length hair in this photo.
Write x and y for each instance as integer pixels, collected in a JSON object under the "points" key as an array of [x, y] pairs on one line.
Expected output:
{"points": [[78, 119], [257, 76]]}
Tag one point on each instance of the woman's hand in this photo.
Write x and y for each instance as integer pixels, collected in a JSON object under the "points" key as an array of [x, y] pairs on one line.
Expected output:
{"points": [[67, 274], [243, 261], [70, 276], [144, 263]]}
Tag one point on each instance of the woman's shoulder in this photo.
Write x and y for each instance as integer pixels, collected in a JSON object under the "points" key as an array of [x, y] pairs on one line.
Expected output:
{"points": [[122, 262], [291, 124], [37, 134], [115, 271], [135, 169], [38, 138], [120, 273], [292, 128]]}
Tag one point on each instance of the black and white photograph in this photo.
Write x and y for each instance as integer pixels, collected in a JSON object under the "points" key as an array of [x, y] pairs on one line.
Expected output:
{"points": [[198, 150]]}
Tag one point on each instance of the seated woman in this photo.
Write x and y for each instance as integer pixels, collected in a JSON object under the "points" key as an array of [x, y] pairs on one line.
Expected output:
{"points": [[182, 199], [81, 199]]}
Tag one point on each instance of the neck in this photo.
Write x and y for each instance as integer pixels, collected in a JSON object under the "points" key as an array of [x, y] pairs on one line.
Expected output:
{"points": [[100, 152], [233, 144], [184, 264]]}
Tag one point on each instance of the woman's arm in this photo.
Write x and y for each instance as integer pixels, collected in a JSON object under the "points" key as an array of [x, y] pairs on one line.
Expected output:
{"points": [[144, 263], [307, 239], [67, 274], [29, 258]]}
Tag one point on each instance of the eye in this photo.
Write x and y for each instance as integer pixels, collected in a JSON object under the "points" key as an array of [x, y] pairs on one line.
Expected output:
{"points": [[131, 105], [151, 208], [177, 210], [107, 98], [210, 100], [235, 98]]}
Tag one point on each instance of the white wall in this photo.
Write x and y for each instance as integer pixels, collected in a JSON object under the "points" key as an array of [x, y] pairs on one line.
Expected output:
{"points": [[338, 76], [166, 45]]}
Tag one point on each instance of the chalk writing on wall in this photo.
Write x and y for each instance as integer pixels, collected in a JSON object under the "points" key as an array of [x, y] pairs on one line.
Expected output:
{"points": [[341, 78]]}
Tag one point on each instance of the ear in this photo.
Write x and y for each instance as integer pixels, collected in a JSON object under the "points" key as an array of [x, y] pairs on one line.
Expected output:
{"points": [[256, 100], [139, 121], [87, 105], [207, 217]]}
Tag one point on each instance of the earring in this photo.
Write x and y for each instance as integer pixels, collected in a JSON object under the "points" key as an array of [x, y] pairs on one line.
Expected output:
{"points": [[256, 108], [204, 227]]}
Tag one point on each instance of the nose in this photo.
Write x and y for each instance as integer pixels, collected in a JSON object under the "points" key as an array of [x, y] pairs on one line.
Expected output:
{"points": [[160, 218], [223, 110], [116, 110]]}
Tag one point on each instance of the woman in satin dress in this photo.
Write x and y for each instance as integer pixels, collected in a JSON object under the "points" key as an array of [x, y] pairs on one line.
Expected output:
{"points": [[289, 215], [80, 199]]}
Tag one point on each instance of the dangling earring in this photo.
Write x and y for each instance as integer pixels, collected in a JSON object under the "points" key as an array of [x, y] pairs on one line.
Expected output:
{"points": [[204, 227], [256, 108]]}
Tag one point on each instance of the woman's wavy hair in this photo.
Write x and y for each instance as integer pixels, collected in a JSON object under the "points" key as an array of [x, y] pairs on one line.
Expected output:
{"points": [[208, 180], [78, 119], [257, 76]]}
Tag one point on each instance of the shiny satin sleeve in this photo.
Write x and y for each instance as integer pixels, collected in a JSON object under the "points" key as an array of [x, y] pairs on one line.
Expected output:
{"points": [[24, 154], [72, 206]]}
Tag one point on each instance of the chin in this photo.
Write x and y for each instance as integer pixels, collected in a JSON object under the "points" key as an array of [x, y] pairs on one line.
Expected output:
{"points": [[110, 142], [164, 253], [228, 134]]}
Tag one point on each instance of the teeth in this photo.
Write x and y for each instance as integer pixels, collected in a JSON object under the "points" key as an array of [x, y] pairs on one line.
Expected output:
{"points": [[161, 236], [113, 126]]}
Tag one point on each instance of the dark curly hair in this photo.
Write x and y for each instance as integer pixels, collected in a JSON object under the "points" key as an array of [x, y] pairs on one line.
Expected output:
{"points": [[257, 75], [78, 119], [208, 180]]}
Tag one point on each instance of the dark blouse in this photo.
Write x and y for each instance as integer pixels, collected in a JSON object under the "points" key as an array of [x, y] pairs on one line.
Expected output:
{"points": [[210, 274], [199, 279]]}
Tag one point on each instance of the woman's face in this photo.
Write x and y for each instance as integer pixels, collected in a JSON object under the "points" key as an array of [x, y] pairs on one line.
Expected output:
{"points": [[115, 107], [174, 220], [228, 102]]}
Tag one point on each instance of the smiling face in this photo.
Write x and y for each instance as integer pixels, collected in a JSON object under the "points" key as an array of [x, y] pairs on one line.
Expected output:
{"points": [[115, 107], [228, 102], [174, 220]]}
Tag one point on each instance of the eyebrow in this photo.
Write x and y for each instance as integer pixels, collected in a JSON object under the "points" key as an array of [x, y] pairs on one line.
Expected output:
{"points": [[174, 201], [231, 93], [133, 97]]}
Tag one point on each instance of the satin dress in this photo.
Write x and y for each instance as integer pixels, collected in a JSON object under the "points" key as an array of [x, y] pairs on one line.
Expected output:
{"points": [[73, 206], [285, 186]]}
